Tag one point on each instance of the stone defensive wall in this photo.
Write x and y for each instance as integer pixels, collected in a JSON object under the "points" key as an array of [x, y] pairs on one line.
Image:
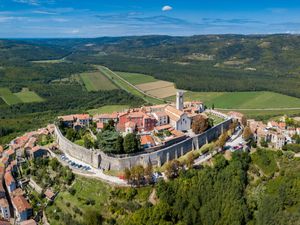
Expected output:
{"points": [[98, 159]]}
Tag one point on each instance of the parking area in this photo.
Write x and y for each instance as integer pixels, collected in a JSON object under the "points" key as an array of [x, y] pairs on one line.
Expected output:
{"points": [[74, 164]]}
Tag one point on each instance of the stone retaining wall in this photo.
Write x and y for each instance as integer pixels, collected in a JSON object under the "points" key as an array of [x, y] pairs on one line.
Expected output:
{"points": [[99, 159]]}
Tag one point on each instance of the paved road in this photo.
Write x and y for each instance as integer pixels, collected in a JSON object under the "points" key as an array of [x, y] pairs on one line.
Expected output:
{"points": [[93, 173], [98, 173], [130, 84]]}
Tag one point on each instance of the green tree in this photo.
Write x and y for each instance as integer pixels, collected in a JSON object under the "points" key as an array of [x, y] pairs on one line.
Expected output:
{"points": [[131, 143], [119, 144], [92, 217]]}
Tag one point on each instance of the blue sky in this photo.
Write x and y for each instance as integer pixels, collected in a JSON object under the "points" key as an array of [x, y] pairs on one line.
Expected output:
{"points": [[95, 18]]}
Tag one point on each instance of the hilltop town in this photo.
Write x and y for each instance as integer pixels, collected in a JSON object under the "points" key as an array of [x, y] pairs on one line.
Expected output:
{"points": [[154, 128]]}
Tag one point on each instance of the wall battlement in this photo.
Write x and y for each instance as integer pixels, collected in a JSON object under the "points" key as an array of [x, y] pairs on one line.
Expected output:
{"points": [[98, 159]]}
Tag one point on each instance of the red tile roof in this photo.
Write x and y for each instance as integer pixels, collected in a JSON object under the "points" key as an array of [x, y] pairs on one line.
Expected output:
{"points": [[49, 194], [20, 203], [173, 113], [163, 127], [100, 125], [9, 179], [66, 118], [82, 116], [147, 139], [4, 222], [10, 152]]}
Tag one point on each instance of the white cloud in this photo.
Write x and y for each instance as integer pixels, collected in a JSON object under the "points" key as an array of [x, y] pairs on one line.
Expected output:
{"points": [[167, 8], [44, 12]]}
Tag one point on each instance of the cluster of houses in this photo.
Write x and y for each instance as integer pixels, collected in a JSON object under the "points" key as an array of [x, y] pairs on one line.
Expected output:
{"points": [[14, 204], [275, 134], [167, 120]]}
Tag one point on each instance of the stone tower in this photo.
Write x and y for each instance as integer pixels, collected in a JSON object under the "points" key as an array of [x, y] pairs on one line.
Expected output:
{"points": [[179, 100]]}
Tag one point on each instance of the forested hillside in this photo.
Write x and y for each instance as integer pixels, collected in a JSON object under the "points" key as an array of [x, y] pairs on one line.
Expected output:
{"points": [[54, 83], [207, 63], [232, 192]]}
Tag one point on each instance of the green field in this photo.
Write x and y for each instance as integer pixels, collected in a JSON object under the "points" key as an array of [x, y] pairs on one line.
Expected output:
{"points": [[244, 100], [125, 86], [95, 81], [9, 97], [27, 96], [108, 109], [136, 78], [24, 96]]}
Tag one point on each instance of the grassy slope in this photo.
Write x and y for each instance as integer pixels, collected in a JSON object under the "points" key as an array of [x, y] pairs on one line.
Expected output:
{"points": [[136, 78], [9, 97], [95, 190], [108, 109], [244, 100], [122, 84], [27, 96], [96, 82]]}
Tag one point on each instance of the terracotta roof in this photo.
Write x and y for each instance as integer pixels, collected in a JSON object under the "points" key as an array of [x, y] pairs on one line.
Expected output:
{"points": [[10, 152], [4, 222], [177, 133], [17, 192], [147, 139], [3, 203], [163, 127], [31, 142], [160, 114], [9, 179], [28, 222], [20, 203], [2, 169], [100, 125], [136, 114], [66, 118], [82, 116], [4, 160], [49, 194], [173, 113]]}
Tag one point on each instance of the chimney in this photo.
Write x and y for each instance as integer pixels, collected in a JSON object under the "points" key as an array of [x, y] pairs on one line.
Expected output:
{"points": [[179, 100]]}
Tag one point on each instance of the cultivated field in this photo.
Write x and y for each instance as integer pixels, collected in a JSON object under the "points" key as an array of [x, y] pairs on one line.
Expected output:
{"points": [[95, 81], [244, 100], [136, 78], [108, 109], [159, 89], [9, 97], [25, 96], [125, 85]]}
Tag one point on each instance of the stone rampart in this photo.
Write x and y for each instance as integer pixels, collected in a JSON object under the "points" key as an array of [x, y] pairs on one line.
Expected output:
{"points": [[99, 159]]}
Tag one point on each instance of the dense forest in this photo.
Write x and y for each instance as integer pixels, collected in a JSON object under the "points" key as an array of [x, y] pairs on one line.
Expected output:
{"points": [[239, 191], [207, 62]]}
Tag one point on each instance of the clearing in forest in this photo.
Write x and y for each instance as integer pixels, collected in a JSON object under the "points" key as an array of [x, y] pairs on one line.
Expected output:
{"points": [[136, 78], [24, 96], [95, 81]]}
